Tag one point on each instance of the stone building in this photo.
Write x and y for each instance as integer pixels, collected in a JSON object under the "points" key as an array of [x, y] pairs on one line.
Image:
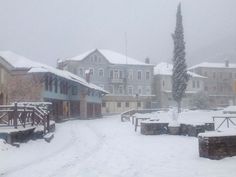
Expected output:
{"points": [[127, 80], [4, 78], [162, 86], [220, 84], [70, 95]]}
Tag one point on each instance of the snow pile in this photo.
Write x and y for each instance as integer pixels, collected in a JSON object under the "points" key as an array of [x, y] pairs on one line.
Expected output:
{"points": [[193, 117], [3, 145], [229, 132]]}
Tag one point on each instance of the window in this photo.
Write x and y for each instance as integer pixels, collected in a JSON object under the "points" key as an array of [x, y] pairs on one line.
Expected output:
{"points": [[163, 83], [121, 74], [91, 71], [111, 74], [99, 59], [120, 89], [46, 82], [74, 90], [55, 85], [147, 75], [130, 75], [221, 75], [95, 58], [130, 90], [148, 91], [214, 75], [111, 89], [101, 72], [139, 75], [139, 104], [103, 104], [50, 84], [81, 72], [193, 84], [116, 74], [126, 104], [139, 90], [198, 84], [119, 104]]}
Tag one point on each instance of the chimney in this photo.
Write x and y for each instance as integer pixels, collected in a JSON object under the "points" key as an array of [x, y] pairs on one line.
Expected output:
{"points": [[147, 60], [87, 75], [227, 63]]}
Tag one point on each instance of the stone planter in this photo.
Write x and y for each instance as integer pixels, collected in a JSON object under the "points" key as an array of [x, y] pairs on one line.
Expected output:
{"points": [[153, 128], [217, 146], [174, 130]]}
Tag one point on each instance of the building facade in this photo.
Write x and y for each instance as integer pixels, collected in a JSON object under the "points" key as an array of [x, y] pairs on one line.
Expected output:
{"points": [[220, 84], [162, 86], [70, 95], [127, 80]]}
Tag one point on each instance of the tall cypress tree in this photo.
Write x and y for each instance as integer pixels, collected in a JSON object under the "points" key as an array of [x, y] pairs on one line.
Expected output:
{"points": [[180, 76]]}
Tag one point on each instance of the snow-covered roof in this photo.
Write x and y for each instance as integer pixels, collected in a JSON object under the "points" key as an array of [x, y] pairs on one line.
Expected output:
{"points": [[111, 56], [20, 62], [166, 69], [213, 65]]}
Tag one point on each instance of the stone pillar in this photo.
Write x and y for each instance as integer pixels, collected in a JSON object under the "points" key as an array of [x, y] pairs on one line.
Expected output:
{"points": [[83, 107], [94, 110]]}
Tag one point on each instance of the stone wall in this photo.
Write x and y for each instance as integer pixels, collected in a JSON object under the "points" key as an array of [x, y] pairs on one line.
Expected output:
{"points": [[25, 87]]}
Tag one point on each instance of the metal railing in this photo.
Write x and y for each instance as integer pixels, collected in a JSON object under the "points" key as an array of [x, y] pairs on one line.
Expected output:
{"points": [[228, 120]]}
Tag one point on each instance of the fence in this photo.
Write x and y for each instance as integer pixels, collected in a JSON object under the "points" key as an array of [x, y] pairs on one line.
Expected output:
{"points": [[225, 119], [20, 114], [126, 115]]}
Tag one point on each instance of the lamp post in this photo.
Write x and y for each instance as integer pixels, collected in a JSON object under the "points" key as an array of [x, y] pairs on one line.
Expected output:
{"points": [[136, 96]]}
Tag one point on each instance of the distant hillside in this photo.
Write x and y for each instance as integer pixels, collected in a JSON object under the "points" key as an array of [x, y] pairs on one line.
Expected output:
{"points": [[216, 52]]}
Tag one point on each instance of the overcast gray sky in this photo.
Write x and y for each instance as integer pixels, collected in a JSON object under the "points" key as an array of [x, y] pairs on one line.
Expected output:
{"points": [[44, 30]]}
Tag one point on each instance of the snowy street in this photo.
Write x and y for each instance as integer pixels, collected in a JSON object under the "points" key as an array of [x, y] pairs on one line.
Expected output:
{"points": [[108, 148]]}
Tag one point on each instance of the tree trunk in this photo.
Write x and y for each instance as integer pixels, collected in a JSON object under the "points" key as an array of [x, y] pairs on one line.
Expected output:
{"points": [[179, 106]]}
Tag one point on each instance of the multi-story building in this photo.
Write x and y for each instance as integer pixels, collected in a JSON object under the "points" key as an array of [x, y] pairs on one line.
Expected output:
{"points": [[220, 84], [69, 94], [127, 80], [162, 86]]}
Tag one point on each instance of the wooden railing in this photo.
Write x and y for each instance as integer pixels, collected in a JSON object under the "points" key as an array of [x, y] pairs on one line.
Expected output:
{"points": [[18, 114], [126, 115]]}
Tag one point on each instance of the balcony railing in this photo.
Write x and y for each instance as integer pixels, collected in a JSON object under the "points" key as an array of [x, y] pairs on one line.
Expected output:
{"points": [[116, 80]]}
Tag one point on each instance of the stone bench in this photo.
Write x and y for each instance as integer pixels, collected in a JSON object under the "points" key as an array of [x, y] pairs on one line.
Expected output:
{"points": [[217, 145]]}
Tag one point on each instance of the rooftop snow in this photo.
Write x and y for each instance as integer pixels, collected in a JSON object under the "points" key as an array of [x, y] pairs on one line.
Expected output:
{"points": [[111, 56], [213, 65], [20, 62], [166, 69]]}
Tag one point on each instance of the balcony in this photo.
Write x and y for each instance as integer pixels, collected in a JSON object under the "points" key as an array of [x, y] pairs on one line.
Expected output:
{"points": [[116, 80]]}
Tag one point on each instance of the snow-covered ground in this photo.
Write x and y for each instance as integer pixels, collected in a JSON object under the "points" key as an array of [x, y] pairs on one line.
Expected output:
{"points": [[110, 148]]}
